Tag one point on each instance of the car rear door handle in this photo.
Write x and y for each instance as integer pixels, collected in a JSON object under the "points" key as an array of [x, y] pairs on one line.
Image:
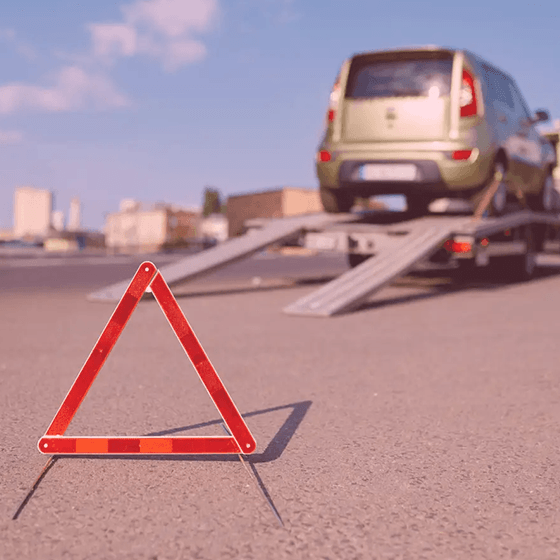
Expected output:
{"points": [[502, 118]]}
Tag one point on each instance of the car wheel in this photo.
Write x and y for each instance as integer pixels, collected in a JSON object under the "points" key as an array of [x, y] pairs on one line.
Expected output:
{"points": [[355, 259], [336, 201], [544, 201]]}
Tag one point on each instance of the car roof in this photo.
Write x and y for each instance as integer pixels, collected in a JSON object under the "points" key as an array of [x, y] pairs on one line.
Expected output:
{"points": [[435, 48], [411, 48]]}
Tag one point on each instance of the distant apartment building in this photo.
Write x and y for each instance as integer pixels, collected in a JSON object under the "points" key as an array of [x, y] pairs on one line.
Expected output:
{"points": [[134, 229], [74, 215], [277, 203], [32, 212], [57, 220], [214, 227], [6, 234]]}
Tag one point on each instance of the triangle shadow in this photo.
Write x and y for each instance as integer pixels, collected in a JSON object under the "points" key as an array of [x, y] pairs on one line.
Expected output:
{"points": [[274, 448]]}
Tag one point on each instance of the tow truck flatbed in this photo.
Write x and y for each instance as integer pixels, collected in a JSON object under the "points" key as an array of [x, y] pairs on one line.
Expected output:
{"points": [[395, 242]]}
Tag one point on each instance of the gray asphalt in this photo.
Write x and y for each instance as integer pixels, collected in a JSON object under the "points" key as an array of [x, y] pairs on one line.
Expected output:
{"points": [[94, 272], [424, 425]]}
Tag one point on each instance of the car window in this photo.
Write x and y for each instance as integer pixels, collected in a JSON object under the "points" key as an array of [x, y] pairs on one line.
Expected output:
{"points": [[521, 106], [399, 78], [498, 87]]}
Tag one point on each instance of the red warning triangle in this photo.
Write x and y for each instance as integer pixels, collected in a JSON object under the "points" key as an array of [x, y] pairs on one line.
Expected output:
{"points": [[55, 443]]}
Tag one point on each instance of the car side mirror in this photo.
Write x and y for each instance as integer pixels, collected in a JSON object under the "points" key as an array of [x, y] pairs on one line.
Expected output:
{"points": [[541, 116]]}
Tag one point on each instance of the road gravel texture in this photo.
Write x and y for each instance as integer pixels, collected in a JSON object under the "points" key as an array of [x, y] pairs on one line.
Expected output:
{"points": [[423, 426]]}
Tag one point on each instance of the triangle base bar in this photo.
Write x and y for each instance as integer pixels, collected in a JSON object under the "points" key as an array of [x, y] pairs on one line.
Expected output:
{"points": [[62, 445]]}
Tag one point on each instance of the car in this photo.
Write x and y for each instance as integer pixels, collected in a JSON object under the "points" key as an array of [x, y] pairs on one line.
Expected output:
{"points": [[428, 123]]}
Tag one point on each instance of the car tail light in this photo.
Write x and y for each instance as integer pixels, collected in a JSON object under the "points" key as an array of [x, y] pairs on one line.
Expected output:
{"points": [[461, 154], [333, 100], [324, 156], [468, 96]]}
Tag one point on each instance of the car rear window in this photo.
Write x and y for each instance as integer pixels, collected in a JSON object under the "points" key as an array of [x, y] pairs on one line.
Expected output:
{"points": [[399, 78]]}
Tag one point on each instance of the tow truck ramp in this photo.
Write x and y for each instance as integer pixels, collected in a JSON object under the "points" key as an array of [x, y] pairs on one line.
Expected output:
{"points": [[395, 257], [397, 246], [199, 264]]}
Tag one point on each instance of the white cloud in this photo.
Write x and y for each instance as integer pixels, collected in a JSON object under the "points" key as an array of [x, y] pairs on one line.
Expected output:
{"points": [[74, 89], [165, 30], [183, 52], [10, 137], [161, 29], [172, 18], [113, 39], [21, 47]]}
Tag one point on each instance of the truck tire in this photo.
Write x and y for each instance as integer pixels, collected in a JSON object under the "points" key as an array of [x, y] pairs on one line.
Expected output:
{"points": [[466, 270], [336, 201], [518, 268]]}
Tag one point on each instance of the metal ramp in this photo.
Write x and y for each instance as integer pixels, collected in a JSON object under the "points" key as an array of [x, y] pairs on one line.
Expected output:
{"points": [[395, 256], [231, 251]]}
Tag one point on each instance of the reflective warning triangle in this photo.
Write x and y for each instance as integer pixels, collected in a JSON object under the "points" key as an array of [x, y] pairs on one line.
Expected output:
{"points": [[54, 442]]}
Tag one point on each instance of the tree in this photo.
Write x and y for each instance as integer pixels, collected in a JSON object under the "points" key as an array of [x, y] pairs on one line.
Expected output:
{"points": [[211, 202]]}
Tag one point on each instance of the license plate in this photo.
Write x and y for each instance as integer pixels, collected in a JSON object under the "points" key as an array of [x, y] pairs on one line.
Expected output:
{"points": [[388, 172]]}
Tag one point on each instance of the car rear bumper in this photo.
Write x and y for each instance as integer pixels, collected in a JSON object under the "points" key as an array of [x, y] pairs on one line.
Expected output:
{"points": [[437, 173]]}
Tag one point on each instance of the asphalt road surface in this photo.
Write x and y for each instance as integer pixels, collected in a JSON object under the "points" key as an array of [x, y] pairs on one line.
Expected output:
{"points": [[424, 425]]}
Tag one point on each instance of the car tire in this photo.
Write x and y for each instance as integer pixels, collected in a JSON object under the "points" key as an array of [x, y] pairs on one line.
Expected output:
{"points": [[336, 201], [544, 201]]}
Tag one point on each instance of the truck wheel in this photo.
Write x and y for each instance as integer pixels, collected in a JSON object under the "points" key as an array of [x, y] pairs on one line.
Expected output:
{"points": [[336, 201], [467, 269], [518, 268]]}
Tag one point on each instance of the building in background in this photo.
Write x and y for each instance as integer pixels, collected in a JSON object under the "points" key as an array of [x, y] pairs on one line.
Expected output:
{"points": [[277, 203], [6, 235], [74, 215], [71, 241], [214, 227], [57, 220], [134, 229], [32, 213]]}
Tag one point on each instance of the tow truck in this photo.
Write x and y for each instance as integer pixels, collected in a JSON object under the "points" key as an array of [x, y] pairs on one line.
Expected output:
{"points": [[383, 246]]}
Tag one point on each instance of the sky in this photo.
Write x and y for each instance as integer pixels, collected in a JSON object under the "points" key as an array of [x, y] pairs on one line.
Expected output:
{"points": [[156, 99]]}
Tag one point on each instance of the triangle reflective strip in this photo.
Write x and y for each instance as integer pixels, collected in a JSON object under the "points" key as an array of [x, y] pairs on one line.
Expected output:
{"points": [[240, 441]]}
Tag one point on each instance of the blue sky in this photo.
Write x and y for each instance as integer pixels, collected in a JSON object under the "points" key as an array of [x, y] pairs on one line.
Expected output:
{"points": [[154, 99]]}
